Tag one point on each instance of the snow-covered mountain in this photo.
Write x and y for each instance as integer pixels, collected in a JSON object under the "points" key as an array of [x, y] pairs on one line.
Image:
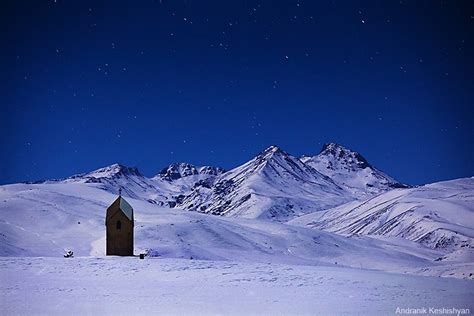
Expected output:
{"points": [[115, 177], [181, 170], [273, 185], [351, 170], [438, 215], [160, 189], [426, 229], [45, 219]]}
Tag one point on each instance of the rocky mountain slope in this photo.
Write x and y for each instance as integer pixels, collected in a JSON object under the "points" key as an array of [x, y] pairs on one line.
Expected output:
{"points": [[273, 208], [132, 183], [274, 185], [438, 215], [181, 170], [45, 219], [351, 170]]}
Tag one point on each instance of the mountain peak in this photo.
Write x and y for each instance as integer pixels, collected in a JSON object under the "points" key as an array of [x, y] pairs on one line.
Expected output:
{"points": [[107, 173], [268, 186], [332, 147], [351, 169], [271, 151], [344, 154], [183, 169], [113, 170], [273, 148], [178, 170]]}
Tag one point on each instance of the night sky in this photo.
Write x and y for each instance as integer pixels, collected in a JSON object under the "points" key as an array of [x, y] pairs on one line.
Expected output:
{"points": [[149, 83]]}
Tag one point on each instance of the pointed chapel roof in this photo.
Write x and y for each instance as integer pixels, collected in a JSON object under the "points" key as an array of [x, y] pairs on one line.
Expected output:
{"points": [[123, 205], [126, 208]]}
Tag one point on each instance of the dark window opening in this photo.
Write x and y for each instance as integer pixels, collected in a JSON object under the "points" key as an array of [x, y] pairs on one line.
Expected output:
{"points": [[119, 225]]}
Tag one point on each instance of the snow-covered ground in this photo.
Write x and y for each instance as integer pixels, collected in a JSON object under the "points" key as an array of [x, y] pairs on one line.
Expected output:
{"points": [[274, 185], [124, 286], [439, 215], [45, 219], [406, 248]]}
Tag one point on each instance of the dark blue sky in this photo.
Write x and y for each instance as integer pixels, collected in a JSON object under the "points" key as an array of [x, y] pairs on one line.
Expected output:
{"points": [[148, 83]]}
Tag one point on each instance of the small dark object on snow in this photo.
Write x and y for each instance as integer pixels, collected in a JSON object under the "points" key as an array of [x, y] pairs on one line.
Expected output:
{"points": [[142, 256], [79, 222], [69, 254]]}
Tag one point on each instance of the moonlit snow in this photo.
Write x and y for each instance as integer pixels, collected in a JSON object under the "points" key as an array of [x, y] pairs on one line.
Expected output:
{"points": [[289, 240], [113, 285]]}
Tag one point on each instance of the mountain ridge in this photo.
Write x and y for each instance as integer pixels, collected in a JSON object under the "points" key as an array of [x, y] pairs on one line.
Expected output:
{"points": [[183, 169], [351, 198], [273, 185], [437, 215], [350, 169]]}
